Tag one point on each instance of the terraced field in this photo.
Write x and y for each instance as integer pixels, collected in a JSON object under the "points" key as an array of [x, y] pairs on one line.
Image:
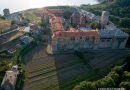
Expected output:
{"points": [[4, 24], [62, 72], [9, 40], [10, 36]]}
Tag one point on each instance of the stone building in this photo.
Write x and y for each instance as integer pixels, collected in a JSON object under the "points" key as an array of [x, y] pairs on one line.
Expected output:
{"points": [[47, 12], [78, 19], [82, 38], [112, 39], [13, 16], [74, 40], [6, 12], [104, 18], [56, 24], [10, 78]]}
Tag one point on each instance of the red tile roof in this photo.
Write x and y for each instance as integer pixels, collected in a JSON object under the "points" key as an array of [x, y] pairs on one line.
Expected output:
{"points": [[56, 11], [58, 30], [56, 23], [72, 32]]}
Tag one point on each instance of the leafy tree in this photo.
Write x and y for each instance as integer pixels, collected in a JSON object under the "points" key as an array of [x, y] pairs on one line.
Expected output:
{"points": [[125, 22], [13, 22], [20, 81], [126, 75], [2, 17], [125, 84], [95, 26], [107, 81], [115, 78], [114, 19], [118, 69], [4, 65]]}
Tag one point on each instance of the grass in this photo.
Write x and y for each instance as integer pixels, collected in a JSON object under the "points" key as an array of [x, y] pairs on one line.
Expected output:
{"points": [[4, 65], [69, 84], [41, 72], [21, 52], [44, 77], [72, 81], [4, 24], [63, 71], [52, 69], [31, 16], [18, 59]]}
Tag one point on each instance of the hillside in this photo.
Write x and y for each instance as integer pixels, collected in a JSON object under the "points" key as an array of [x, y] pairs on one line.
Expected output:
{"points": [[4, 24], [120, 16], [64, 71], [119, 10], [33, 14], [119, 13]]}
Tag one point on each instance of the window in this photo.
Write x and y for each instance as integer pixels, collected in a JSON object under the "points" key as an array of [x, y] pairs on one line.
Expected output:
{"points": [[93, 38], [103, 40], [108, 40], [72, 38], [80, 37], [87, 38]]}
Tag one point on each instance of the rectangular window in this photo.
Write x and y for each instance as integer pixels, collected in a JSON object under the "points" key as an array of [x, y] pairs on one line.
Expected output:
{"points": [[80, 37], [93, 38], [108, 40], [103, 40], [72, 38], [87, 38]]}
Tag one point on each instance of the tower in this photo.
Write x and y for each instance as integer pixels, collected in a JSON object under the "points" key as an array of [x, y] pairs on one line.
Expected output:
{"points": [[6, 12], [104, 18]]}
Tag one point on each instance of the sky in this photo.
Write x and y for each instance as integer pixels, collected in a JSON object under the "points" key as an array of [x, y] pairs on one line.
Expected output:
{"points": [[18, 5]]}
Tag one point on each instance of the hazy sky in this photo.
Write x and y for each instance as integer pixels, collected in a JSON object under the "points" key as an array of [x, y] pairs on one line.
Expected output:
{"points": [[18, 5]]}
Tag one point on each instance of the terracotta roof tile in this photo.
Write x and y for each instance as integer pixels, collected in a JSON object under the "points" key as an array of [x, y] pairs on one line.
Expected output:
{"points": [[76, 33], [56, 23], [55, 11]]}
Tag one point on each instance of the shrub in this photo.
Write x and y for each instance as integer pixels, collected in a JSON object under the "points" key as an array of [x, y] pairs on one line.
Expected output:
{"points": [[125, 84], [4, 65], [111, 80]]}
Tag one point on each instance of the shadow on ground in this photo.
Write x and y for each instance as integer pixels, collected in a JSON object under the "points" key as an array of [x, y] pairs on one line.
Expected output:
{"points": [[64, 71]]}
